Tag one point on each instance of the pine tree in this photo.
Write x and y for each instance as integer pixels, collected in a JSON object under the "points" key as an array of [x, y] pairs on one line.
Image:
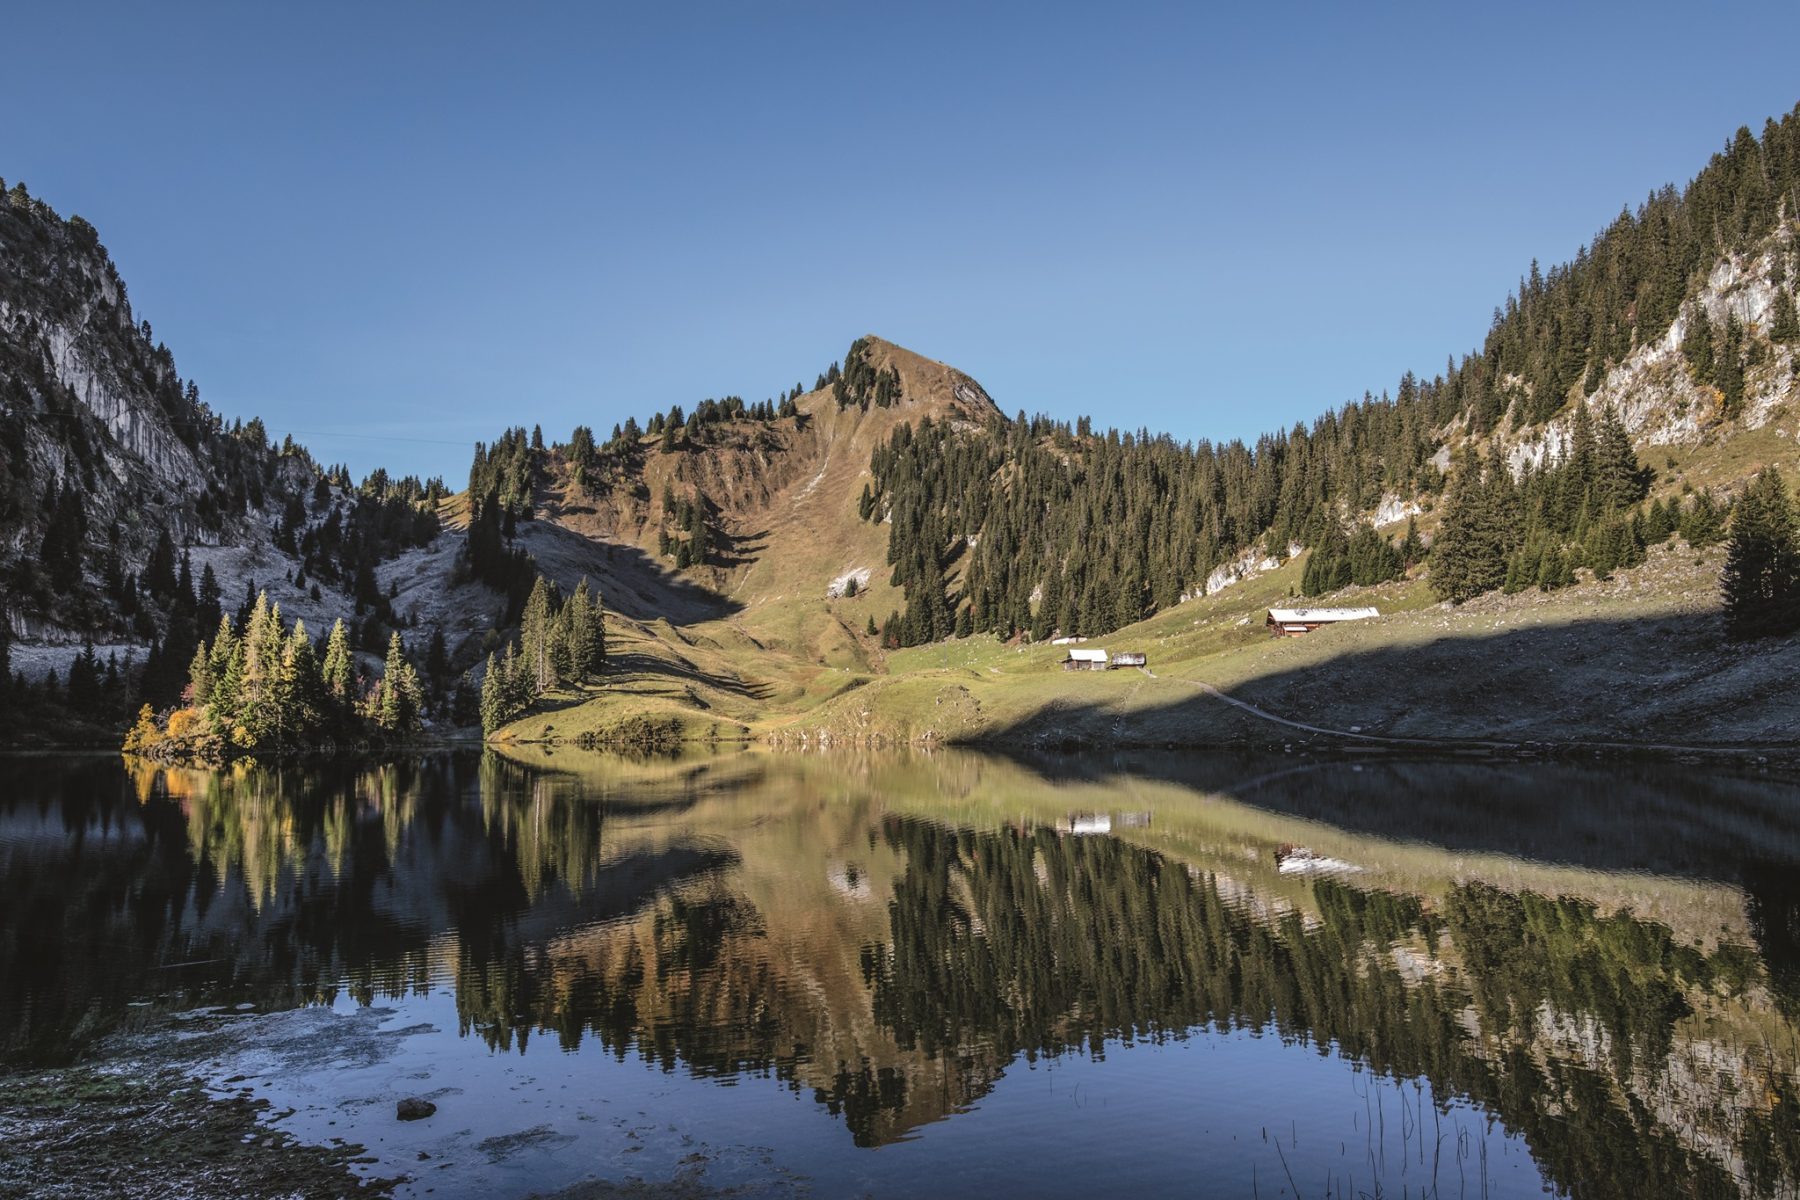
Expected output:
{"points": [[585, 651], [338, 672], [1469, 556], [200, 678], [1785, 327], [1617, 481], [535, 635], [1702, 525], [1412, 547], [159, 575], [209, 604], [60, 552], [1697, 346], [1761, 579], [437, 662], [225, 667], [397, 696], [493, 697], [1730, 369], [84, 681]]}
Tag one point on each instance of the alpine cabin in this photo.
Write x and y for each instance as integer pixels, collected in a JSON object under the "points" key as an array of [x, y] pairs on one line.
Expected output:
{"points": [[1293, 622], [1085, 660]]}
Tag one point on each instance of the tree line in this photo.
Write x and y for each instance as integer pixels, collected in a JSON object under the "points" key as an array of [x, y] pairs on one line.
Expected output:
{"points": [[1056, 528], [1761, 580], [561, 642], [260, 686]]}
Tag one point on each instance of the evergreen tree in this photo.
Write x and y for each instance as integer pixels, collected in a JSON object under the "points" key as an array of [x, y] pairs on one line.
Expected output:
{"points": [[437, 662], [209, 604], [84, 681], [1412, 546], [1730, 368], [1761, 580], [200, 678], [583, 623], [1702, 525], [159, 574], [1618, 482], [492, 697], [397, 701], [1469, 556], [338, 672], [61, 552], [1785, 327], [1697, 345], [535, 636]]}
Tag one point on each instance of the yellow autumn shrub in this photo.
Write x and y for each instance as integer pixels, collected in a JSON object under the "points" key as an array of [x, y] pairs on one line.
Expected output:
{"points": [[186, 722], [144, 734]]}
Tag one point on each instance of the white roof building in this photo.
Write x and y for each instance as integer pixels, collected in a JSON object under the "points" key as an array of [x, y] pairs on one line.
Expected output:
{"points": [[1320, 616], [1291, 622]]}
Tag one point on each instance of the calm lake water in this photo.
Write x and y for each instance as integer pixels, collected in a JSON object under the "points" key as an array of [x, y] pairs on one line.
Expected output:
{"points": [[946, 975]]}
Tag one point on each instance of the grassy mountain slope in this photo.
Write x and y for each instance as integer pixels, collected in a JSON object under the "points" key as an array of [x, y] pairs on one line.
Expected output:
{"points": [[761, 639]]}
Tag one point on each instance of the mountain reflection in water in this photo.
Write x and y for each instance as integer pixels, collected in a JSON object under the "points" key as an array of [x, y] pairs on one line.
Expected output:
{"points": [[1604, 961]]}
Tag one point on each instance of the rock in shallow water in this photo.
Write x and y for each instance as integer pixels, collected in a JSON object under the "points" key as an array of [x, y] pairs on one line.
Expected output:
{"points": [[414, 1109]]}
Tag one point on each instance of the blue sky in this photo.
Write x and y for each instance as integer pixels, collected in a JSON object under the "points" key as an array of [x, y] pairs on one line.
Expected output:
{"points": [[395, 229]]}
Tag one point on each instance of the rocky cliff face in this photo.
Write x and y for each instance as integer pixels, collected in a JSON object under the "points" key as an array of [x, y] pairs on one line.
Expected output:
{"points": [[1655, 389], [104, 449]]}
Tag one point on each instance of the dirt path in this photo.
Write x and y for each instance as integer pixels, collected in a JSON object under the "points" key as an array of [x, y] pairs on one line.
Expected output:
{"points": [[1380, 739], [1471, 743]]}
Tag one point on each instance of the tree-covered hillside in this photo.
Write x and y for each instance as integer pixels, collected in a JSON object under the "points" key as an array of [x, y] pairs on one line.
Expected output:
{"points": [[1048, 526]]}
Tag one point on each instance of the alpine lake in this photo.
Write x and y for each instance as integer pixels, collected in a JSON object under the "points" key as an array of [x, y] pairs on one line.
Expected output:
{"points": [[928, 974]]}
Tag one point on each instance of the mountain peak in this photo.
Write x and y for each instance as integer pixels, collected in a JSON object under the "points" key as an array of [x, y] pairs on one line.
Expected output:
{"points": [[886, 373]]}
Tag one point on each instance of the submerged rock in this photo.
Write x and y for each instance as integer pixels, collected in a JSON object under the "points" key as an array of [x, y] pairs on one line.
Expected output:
{"points": [[414, 1109]]}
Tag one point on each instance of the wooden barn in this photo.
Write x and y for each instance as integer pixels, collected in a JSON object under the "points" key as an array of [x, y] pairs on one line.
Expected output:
{"points": [[1129, 658], [1293, 622], [1085, 660]]}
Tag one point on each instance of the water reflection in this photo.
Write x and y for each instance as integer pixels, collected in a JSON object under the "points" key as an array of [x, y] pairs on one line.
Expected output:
{"points": [[1606, 963]]}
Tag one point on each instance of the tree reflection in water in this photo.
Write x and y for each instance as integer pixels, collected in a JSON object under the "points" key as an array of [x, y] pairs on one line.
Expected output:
{"points": [[888, 936]]}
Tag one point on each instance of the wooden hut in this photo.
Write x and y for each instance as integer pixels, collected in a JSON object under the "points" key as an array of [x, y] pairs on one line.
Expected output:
{"points": [[1293, 622]]}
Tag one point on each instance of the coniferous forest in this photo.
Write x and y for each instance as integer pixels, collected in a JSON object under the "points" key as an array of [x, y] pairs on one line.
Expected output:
{"points": [[263, 687], [1053, 527], [1024, 526]]}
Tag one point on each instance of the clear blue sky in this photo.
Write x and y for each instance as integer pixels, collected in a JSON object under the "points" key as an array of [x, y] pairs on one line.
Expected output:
{"points": [[430, 221]]}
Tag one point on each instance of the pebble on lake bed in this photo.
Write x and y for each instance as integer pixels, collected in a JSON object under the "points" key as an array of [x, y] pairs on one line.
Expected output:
{"points": [[414, 1109]]}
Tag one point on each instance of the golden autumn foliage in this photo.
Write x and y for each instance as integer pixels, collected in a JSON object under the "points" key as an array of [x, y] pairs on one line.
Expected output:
{"points": [[144, 734], [187, 722]]}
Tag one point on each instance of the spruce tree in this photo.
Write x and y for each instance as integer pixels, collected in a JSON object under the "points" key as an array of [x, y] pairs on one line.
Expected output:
{"points": [[1697, 345], [1702, 525], [1761, 580], [1730, 369], [1785, 327], [1618, 481], [493, 697], [200, 680], [338, 672], [1469, 556], [397, 696], [159, 575], [1412, 546], [535, 634], [209, 603]]}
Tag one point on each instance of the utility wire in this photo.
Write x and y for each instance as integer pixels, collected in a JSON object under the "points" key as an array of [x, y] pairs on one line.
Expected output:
{"points": [[178, 423]]}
